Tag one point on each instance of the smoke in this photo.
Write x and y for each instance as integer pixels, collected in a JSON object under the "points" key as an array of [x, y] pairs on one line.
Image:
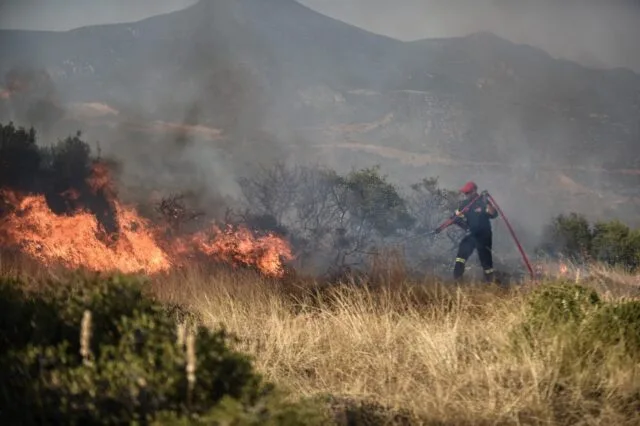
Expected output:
{"points": [[28, 95], [535, 150], [191, 101]]}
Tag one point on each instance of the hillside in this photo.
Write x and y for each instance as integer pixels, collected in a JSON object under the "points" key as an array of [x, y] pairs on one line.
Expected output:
{"points": [[310, 80]]}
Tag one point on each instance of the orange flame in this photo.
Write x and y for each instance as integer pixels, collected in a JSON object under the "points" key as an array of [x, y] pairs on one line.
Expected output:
{"points": [[100, 180], [73, 240], [240, 246], [77, 240], [564, 269]]}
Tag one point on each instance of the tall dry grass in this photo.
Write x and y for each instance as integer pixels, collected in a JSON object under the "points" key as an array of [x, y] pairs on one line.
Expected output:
{"points": [[439, 354], [412, 352]]}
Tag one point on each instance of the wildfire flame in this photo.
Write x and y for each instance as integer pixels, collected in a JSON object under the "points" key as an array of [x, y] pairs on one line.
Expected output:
{"points": [[240, 246], [564, 269], [77, 240], [74, 242]]}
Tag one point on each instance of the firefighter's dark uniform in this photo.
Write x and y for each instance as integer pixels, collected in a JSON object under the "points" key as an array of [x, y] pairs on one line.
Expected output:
{"points": [[477, 222]]}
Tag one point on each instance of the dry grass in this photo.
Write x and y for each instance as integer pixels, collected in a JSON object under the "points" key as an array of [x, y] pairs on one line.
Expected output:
{"points": [[441, 354], [417, 353]]}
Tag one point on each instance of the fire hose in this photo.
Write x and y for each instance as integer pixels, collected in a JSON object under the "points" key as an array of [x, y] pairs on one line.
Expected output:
{"points": [[452, 219], [513, 235]]}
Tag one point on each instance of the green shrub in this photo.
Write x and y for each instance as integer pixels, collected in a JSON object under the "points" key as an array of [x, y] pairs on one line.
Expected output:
{"points": [[98, 351], [560, 304], [613, 242], [274, 410], [615, 326], [569, 235]]}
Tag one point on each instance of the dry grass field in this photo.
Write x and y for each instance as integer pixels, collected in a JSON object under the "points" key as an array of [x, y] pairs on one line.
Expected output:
{"points": [[415, 352], [390, 350]]}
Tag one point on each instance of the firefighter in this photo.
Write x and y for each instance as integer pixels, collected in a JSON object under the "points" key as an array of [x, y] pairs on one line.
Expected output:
{"points": [[477, 222]]}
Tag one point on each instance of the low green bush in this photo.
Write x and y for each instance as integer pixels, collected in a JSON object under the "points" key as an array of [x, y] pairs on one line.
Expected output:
{"points": [[615, 326], [569, 235], [588, 331], [96, 350], [560, 304], [612, 242]]}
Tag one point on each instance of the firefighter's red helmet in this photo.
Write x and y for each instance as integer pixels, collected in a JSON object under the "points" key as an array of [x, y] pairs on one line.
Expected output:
{"points": [[469, 187]]}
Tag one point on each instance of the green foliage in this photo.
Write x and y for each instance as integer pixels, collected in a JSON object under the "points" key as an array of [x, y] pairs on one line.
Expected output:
{"points": [[615, 325], [568, 234], [587, 331], [98, 351], [273, 410], [559, 305], [613, 242]]}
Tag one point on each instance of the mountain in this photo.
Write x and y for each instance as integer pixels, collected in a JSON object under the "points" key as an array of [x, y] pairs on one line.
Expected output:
{"points": [[280, 65]]}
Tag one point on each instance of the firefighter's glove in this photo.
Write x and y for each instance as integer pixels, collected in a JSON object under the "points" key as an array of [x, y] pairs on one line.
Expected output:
{"points": [[459, 214]]}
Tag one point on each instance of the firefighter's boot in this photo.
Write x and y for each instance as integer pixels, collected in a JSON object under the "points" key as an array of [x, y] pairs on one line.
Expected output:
{"points": [[458, 269], [489, 275]]}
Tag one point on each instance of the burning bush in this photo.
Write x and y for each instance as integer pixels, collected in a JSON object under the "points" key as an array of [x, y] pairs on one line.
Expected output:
{"points": [[97, 351], [66, 211]]}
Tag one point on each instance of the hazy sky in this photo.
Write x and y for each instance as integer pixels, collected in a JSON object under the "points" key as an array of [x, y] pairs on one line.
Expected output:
{"points": [[595, 32]]}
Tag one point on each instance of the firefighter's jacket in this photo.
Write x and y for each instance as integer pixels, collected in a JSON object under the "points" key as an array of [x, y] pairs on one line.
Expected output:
{"points": [[477, 219]]}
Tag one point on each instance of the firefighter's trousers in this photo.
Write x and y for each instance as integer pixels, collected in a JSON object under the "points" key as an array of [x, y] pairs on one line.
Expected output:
{"points": [[482, 242]]}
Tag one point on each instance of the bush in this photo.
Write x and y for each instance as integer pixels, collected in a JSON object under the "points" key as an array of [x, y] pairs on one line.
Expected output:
{"points": [[612, 243], [615, 325], [615, 244], [554, 312], [97, 350], [585, 331], [561, 304], [336, 221], [569, 235], [19, 157]]}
